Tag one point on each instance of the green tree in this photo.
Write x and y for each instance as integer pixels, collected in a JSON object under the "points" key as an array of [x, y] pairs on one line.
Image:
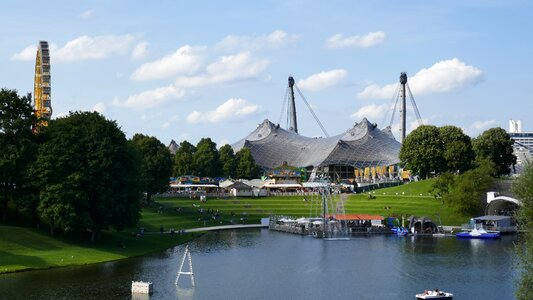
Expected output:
{"points": [[442, 186], [458, 153], [183, 159], [227, 159], [496, 144], [156, 165], [206, 159], [17, 146], [469, 189], [423, 152], [246, 166], [523, 189], [88, 175]]}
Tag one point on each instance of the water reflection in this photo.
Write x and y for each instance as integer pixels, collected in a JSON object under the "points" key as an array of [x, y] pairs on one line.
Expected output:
{"points": [[258, 264]]}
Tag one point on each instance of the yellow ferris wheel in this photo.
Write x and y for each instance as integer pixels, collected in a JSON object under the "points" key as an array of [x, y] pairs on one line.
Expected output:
{"points": [[42, 87]]}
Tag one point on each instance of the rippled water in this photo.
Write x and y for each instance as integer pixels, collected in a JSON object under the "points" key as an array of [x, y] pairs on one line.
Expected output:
{"points": [[259, 264]]}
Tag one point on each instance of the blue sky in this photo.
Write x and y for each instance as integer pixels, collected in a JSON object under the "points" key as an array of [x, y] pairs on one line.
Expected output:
{"points": [[192, 69]]}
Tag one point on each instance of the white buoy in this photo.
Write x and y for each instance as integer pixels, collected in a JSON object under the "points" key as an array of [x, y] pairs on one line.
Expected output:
{"points": [[187, 254]]}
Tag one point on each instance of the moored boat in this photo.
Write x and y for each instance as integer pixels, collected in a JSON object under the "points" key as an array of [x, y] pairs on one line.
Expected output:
{"points": [[436, 294], [478, 234]]}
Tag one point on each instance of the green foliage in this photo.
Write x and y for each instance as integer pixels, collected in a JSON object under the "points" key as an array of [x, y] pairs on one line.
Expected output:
{"points": [[88, 175], [156, 164], [227, 159], [441, 187], [17, 147], [458, 152], [246, 166], [496, 145], [523, 189], [206, 159], [423, 152], [467, 191], [183, 160]]}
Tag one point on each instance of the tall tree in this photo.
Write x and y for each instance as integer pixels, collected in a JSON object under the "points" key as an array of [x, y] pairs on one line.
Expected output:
{"points": [[423, 152], [17, 145], [246, 166], [183, 159], [523, 189], [469, 189], [156, 165], [496, 144], [88, 175], [227, 159], [458, 153], [206, 159]]}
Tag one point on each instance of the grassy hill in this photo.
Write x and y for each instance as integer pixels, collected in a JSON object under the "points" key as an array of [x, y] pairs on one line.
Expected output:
{"points": [[27, 248], [23, 248], [408, 199]]}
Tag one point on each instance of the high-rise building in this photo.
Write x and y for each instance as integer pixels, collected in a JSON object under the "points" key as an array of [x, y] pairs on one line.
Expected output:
{"points": [[523, 142]]}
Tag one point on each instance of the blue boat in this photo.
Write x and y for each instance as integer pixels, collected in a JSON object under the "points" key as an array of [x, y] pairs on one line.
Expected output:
{"points": [[400, 231], [478, 234]]}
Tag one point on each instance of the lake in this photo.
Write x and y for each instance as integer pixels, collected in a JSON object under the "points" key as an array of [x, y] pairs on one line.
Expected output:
{"points": [[262, 264]]}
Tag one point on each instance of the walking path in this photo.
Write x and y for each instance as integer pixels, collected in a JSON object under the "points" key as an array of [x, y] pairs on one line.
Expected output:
{"points": [[212, 228], [226, 227]]}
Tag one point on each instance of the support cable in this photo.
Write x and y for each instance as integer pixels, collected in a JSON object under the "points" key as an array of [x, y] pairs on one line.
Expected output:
{"points": [[393, 103], [414, 105], [312, 112], [284, 103]]}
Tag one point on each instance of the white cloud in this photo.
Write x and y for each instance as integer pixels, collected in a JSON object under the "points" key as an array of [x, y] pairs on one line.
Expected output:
{"points": [[26, 54], [227, 69], [151, 98], [185, 60], [372, 112], [322, 80], [140, 50], [233, 109], [359, 41], [87, 14], [99, 107], [479, 126], [83, 48], [443, 76], [274, 39], [93, 48]]}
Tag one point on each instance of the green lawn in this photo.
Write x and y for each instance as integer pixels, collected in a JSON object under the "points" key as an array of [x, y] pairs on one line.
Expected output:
{"points": [[26, 248], [408, 199], [23, 248]]}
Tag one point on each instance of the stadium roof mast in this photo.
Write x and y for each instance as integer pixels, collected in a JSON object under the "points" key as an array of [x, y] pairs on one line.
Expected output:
{"points": [[403, 82], [293, 123], [401, 93]]}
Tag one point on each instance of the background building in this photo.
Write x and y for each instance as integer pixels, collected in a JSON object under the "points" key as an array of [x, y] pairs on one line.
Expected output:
{"points": [[523, 142]]}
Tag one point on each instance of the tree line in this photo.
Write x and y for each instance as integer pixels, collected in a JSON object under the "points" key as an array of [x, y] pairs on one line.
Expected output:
{"points": [[465, 167], [431, 150], [81, 174], [205, 160]]}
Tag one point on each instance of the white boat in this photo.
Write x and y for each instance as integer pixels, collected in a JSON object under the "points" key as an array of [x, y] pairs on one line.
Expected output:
{"points": [[436, 294], [478, 233]]}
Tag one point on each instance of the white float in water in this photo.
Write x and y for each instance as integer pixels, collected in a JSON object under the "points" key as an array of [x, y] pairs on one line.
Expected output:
{"points": [[141, 287]]}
